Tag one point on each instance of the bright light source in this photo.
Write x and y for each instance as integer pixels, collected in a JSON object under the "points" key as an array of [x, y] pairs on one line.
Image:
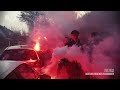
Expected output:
{"points": [[31, 60], [45, 38], [52, 77], [39, 38], [37, 46], [80, 14]]}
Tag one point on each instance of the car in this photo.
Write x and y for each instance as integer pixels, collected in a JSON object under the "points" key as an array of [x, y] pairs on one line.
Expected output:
{"points": [[17, 70], [19, 62]]}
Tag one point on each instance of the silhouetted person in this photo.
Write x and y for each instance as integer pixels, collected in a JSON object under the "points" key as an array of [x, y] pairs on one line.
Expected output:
{"points": [[74, 40], [92, 42], [66, 41], [73, 69]]}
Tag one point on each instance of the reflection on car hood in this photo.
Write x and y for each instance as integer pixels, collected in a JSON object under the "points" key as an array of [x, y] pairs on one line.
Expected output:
{"points": [[8, 66]]}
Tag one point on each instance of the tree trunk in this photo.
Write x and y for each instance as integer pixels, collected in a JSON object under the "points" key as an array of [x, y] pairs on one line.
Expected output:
{"points": [[30, 26]]}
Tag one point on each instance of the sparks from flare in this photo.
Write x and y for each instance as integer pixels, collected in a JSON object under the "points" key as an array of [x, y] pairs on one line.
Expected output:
{"points": [[45, 38]]}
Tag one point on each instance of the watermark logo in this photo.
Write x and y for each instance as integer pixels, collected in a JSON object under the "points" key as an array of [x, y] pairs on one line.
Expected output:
{"points": [[105, 72]]}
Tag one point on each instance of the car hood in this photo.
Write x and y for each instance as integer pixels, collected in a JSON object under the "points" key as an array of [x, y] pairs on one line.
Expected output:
{"points": [[8, 66]]}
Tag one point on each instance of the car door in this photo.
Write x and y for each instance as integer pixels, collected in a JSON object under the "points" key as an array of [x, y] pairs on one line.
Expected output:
{"points": [[23, 71]]}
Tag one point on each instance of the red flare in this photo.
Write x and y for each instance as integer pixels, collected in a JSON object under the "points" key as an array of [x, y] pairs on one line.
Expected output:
{"points": [[37, 46]]}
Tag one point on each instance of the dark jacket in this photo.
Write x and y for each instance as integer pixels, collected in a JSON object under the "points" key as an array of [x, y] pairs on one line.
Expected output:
{"points": [[72, 42]]}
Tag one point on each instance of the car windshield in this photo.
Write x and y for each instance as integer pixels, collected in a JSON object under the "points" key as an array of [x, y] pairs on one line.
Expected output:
{"points": [[18, 54]]}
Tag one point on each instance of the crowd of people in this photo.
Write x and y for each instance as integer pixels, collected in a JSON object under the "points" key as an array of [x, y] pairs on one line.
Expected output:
{"points": [[74, 69]]}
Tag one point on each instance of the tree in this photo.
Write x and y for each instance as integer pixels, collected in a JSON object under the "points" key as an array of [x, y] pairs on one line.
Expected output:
{"points": [[29, 17]]}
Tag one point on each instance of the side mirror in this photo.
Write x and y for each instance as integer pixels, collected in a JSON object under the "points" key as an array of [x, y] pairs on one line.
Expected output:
{"points": [[44, 76]]}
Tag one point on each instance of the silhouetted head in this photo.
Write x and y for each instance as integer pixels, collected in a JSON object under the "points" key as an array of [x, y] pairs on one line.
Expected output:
{"points": [[74, 34], [94, 34]]}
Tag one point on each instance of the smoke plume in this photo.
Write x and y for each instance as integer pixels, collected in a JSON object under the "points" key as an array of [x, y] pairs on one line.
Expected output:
{"points": [[60, 24]]}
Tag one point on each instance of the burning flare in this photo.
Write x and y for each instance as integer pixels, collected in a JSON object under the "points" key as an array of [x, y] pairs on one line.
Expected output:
{"points": [[37, 46]]}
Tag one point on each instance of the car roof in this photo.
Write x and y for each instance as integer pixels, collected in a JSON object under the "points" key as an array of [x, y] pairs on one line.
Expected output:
{"points": [[28, 47], [19, 47]]}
